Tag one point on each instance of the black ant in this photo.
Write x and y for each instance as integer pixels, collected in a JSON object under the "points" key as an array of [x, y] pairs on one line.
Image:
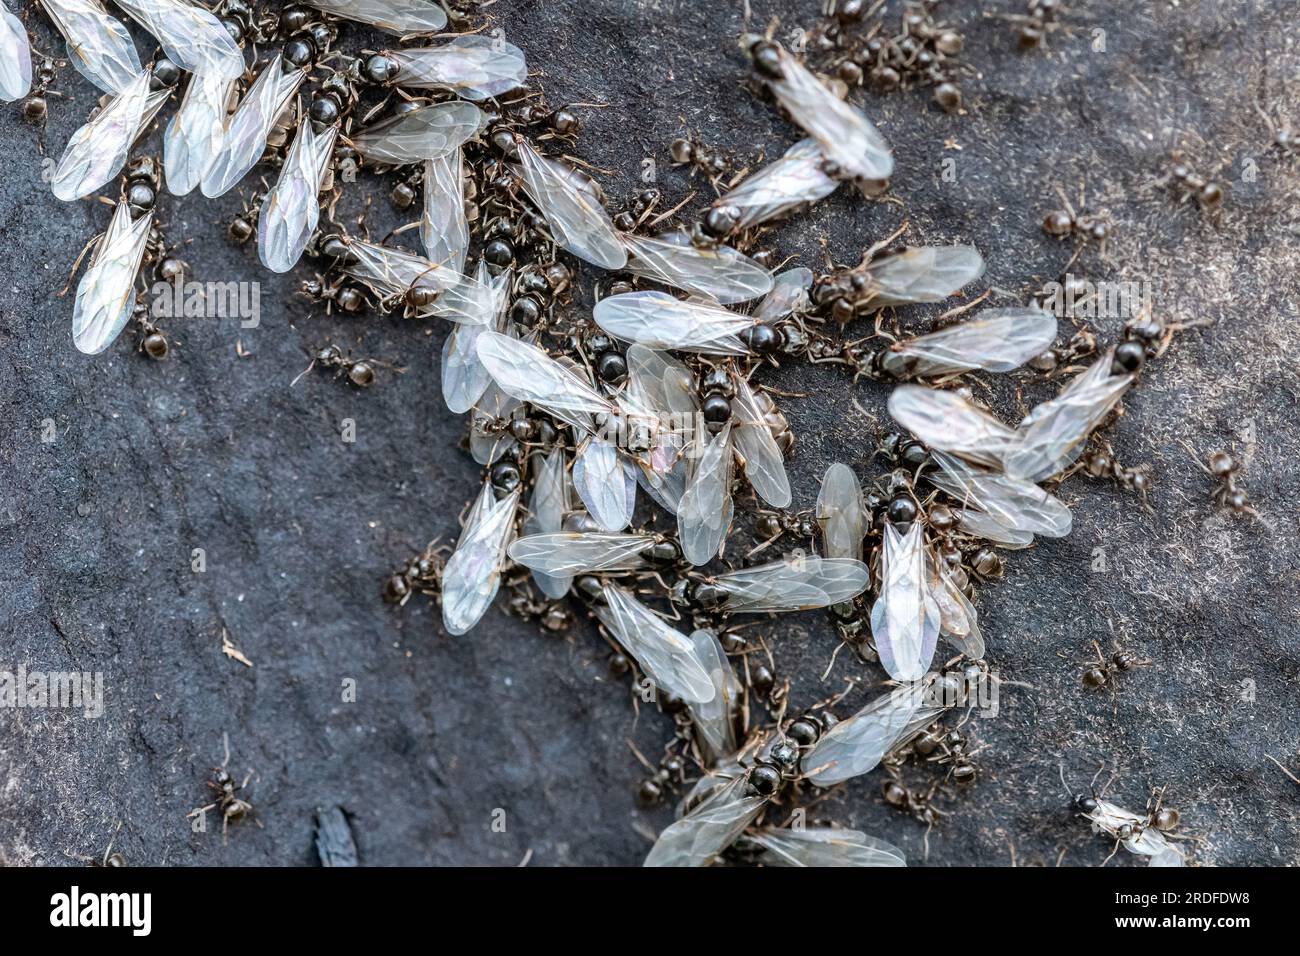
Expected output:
{"points": [[1102, 671], [231, 806], [1208, 193]]}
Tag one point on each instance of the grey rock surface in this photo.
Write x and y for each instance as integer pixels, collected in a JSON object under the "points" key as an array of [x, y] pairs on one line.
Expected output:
{"points": [[216, 448]]}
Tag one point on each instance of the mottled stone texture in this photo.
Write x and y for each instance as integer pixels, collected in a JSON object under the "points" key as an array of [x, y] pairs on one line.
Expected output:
{"points": [[216, 448]]}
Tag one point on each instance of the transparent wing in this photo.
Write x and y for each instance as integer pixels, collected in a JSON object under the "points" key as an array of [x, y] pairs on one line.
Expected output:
{"points": [[923, 274], [715, 720], [486, 443], [958, 621], [472, 574], [669, 658], [999, 340], [659, 382], [1051, 436], [824, 846], [403, 17], [475, 67], [244, 140], [106, 293], [780, 187], [464, 377], [1014, 504], [1146, 842], [845, 135], [532, 376], [15, 57], [981, 525], [191, 36], [947, 422], [444, 230], [547, 507], [789, 295], [98, 150], [905, 617], [657, 320], [195, 133], [570, 203], [99, 46], [794, 584], [393, 273], [721, 273], [842, 513], [292, 208], [710, 828], [705, 510], [760, 455], [856, 745], [572, 553], [426, 132], [603, 483]]}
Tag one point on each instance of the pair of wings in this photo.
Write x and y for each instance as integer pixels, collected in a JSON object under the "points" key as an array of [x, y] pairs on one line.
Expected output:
{"points": [[403, 17], [419, 134], [472, 575], [997, 340], [793, 180], [856, 745], [99, 46], [474, 66], [291, 209], [106, 293]]}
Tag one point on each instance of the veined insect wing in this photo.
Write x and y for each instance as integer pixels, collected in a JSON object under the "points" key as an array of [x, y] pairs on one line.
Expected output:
{"points": [[570, 203], [705, 511], [195, 132], [709, 828], [15, 57], [99, 46], [789, 295], [796, 583], [923, 274], [291, 209], [660, 321], [905, 617], [472, 575], [945, 421], [780, 187], [99, 149], [473, 66], [550, 502], [419, 134], [244, 139], [106, 293], [191, 36], [403, 17], [760, 455], [842, 513], [998, 340], [823, 846], [604, 482], [668, 657], [464, 377], [444, 230], [856, 745], [721, 274]]}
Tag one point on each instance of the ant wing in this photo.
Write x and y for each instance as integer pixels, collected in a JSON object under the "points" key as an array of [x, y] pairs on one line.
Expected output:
{"points": [[190, 36], [721, 274], [979, 524], [1052, 435], [472, 66], [393, 273], [760, 455], [856, 745], [99, 149], [669, 659], [947, 422], [291, 209], [845, 135], [426, 132], [660, 321], [403, 17], [923, 274], [794, 584], [571, 204], [485, 444], [106, 293], [998, 341], [789, 295], [710, 828], [464, 377], [16, 58], [780, 187], [659, 383], [1019, 506], [530, 375], [958, 620], [195, 132], [550, 502], [824, 846], [99, 46], [605, 482], [842, 513], [244, 140], [472, 574], [569, 554], [444, 230], [705, 510], [714, 720], [905, 617]]}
